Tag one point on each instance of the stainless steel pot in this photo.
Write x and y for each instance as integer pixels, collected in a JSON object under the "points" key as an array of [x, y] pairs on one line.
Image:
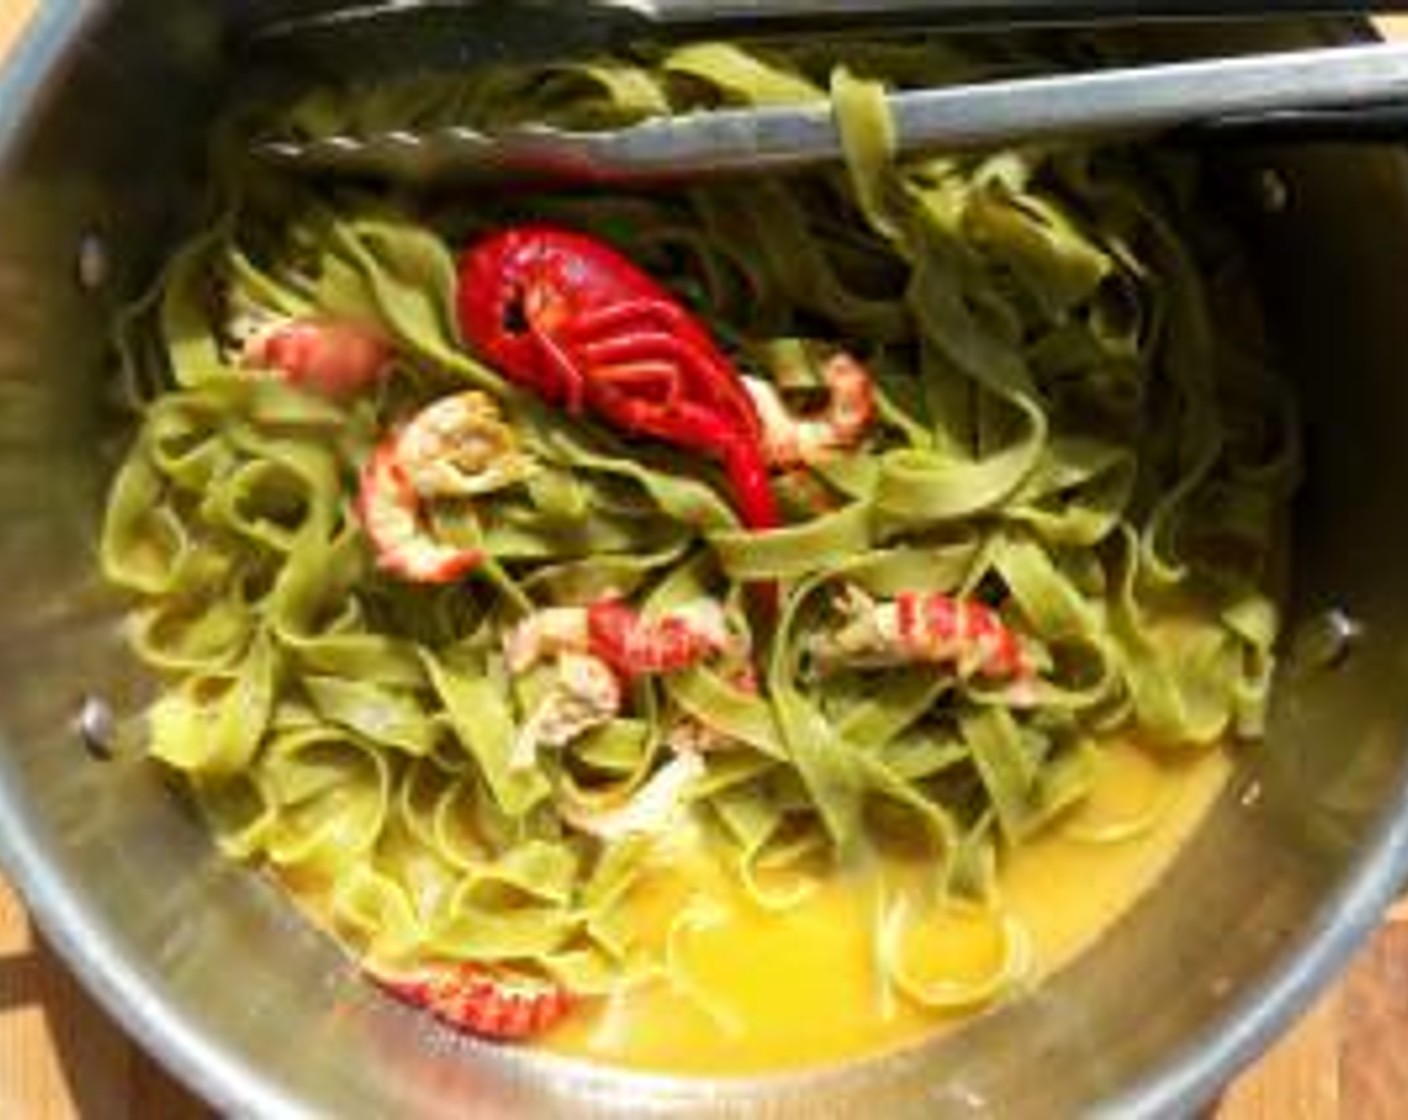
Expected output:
{"points": [[101, 120]]}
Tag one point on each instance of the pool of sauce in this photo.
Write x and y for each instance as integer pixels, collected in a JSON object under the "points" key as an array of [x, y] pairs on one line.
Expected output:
{"points": [[759, 990]]}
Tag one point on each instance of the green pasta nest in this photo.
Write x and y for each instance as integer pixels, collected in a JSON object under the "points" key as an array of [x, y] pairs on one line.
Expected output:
{"points": [[1065, 433]]}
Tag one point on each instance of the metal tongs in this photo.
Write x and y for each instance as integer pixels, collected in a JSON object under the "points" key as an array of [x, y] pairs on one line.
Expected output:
{"points": [[1340, 92]]}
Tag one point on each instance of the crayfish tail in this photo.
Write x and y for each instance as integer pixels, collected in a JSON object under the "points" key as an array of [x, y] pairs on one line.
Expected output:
{"points": [[752, 490], [757, 507]]}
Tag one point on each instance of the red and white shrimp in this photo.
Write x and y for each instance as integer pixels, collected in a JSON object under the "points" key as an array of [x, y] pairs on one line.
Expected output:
{"points": [[586, 693], [333, 357], [925, 627], [470, 997], [616, 633], [458, 447], [790, 440], [598, 649]]}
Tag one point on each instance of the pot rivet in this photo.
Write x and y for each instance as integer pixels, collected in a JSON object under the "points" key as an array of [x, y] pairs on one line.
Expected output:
{"points": [[1272, 192], [92, 262], [1326, 640], [97, 727]]}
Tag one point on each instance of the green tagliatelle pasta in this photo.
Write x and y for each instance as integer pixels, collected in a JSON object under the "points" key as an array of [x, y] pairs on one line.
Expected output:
{"points": [[1064, 432]]}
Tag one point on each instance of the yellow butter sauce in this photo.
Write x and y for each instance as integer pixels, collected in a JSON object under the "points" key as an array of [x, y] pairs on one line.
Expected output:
{"points": [[758, 990]]}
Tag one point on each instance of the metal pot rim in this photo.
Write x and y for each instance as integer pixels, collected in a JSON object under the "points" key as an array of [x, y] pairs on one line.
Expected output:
{"points": [[1184, 1083]]}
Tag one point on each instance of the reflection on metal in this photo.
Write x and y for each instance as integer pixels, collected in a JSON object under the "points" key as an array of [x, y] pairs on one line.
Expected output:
{"points": [[1272, 193], [97, 727], [91, 262], [1324, 641]]}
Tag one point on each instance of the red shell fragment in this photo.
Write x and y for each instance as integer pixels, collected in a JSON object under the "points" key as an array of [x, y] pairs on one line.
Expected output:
{"points": [[472, 998]]}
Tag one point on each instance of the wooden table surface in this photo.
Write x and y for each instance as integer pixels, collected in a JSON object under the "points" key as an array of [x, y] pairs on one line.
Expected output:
{"points": [[61, 1057]]}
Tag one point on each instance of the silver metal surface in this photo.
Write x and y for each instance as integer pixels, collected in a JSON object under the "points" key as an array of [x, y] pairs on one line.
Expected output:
{"points": [[999, 13], [1324, 641], [786, 138], [213, 972], [714, 16], [91, 261], [375, 38], [96, 727], [1272, 194]]}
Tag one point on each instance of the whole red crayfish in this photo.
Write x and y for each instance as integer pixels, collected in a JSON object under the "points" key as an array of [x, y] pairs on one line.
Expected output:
{"points": [[575, 321]]}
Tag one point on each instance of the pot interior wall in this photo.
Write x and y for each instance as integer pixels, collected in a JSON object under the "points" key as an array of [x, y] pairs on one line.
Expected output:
{"points": [[210, 968]]}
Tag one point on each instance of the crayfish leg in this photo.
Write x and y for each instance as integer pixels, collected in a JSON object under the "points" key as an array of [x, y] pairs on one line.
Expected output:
{"points": [[605, 322], [658, 329], [571, 385], [659, 381]]}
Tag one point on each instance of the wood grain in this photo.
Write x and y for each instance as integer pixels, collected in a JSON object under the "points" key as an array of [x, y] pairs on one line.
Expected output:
{"points": [[62, 1058], [14, 14]]}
